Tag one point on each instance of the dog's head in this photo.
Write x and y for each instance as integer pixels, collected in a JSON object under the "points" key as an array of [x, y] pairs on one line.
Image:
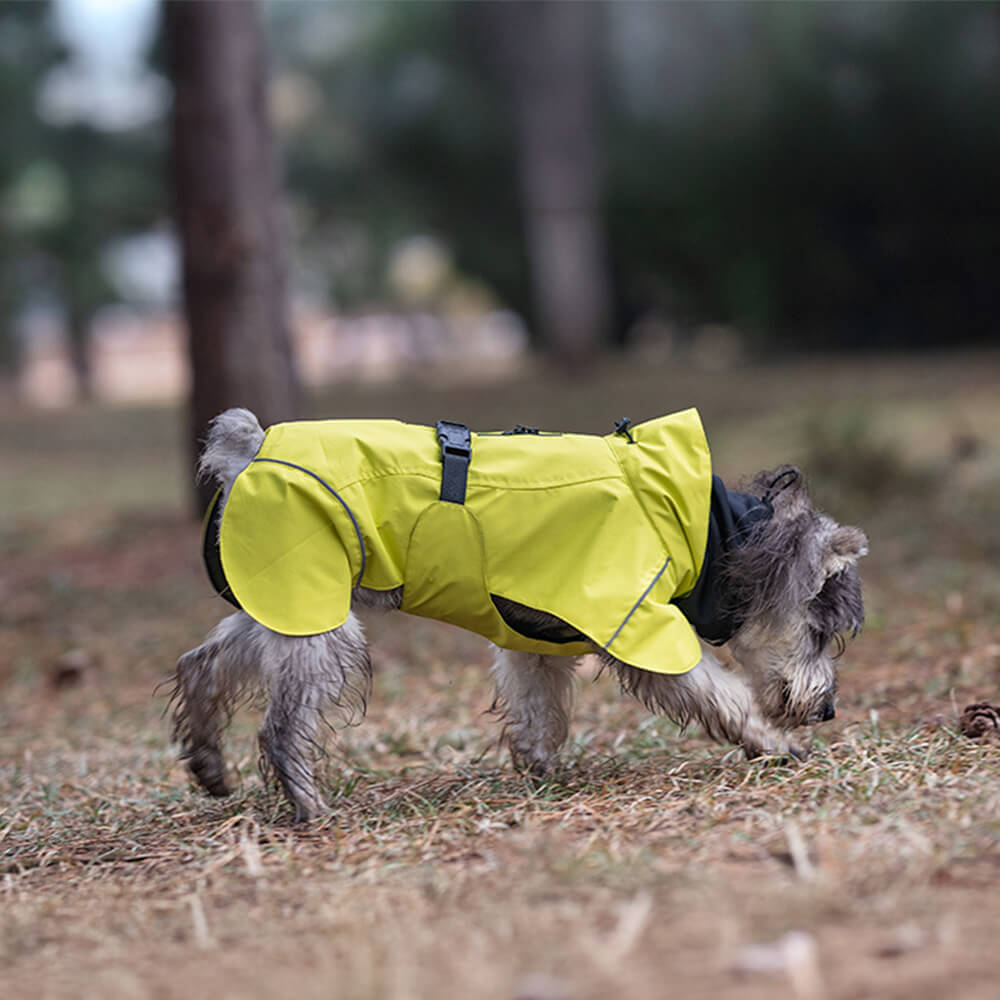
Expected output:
{"points": [[796, 584]]}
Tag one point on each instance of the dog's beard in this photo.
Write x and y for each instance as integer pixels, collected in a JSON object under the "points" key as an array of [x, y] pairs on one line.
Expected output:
{"points": [[792, 684]]}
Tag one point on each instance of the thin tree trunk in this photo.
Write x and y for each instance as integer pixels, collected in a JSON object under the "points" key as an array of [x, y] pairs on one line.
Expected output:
{"points": [[78, 335], [550, 60], [228, 213]]}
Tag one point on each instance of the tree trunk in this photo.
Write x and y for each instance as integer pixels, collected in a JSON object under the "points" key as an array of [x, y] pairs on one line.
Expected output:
{"points": [[549, 58], [229, 214], [78, 336]]}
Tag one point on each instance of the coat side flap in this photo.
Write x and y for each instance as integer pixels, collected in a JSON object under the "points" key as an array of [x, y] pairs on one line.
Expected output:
{"points": [[290, 553]]}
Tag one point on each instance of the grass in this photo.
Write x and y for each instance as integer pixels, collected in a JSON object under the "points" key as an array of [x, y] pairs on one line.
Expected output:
{"points": [[654, 863]]}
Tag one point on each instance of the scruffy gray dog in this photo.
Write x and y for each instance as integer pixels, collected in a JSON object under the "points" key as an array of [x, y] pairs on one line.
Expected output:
{"points": [[760, 570]]}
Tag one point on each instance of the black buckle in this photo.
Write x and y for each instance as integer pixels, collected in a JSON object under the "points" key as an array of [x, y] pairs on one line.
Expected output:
{"points": [[622, 427], [456, 453]]}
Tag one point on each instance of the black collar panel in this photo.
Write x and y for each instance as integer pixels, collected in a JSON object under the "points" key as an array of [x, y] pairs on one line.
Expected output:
{"points": [[732, 517]]}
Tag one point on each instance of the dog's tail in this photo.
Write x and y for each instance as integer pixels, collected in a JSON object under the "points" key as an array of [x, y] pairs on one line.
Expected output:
{"points": [[234, 437]]}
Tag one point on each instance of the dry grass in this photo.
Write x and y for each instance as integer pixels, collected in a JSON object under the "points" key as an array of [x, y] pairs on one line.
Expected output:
{"points": [[654, 864]]}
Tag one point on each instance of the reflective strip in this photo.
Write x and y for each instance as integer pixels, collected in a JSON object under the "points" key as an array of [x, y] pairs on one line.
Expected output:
{"points": [[637, 603], [333, 492]]}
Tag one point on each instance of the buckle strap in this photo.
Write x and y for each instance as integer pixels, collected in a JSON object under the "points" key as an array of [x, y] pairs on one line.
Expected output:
{"points": [[456, 452]]}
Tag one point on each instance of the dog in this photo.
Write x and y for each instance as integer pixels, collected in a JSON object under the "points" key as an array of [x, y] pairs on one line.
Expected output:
{"points": [[549, 545]]}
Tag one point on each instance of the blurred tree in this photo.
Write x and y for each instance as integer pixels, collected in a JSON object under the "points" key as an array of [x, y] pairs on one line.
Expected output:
{"points": [[394, 127], [69, 188], [26, 51], [112, 185], [548, 55], [229, 214]]}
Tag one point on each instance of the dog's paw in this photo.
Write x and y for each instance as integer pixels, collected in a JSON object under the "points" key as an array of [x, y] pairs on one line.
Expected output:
{"points": [[791, 753], [532, 768], [306, 810], [762, 740], [531, 764], [209, 769]]}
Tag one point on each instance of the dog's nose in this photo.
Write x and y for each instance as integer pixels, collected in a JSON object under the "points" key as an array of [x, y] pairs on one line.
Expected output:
{"points": [[827, 710]]}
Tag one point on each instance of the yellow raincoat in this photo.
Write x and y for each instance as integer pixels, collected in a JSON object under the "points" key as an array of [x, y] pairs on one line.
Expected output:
{"points": [[601, 532]]}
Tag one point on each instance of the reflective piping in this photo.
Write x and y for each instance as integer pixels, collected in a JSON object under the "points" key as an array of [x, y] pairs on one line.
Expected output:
{"points": [[637, 603], [333, 492]]}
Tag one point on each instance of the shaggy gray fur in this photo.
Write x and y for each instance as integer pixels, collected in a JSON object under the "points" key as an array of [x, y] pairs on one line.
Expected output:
{"points": [[794, 581], [234, 437]]}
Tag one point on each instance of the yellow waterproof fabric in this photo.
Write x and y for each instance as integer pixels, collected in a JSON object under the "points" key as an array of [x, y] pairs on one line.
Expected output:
{"points": [[597, 531]]}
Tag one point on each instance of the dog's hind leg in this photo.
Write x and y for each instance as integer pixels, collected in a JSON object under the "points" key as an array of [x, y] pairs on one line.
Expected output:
{"points": [[717, 698], [534, 697], [210, 681], [305, 677]]}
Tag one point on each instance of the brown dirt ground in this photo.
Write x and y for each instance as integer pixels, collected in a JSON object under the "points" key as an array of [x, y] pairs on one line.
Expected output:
{"points": [[654, 864]]}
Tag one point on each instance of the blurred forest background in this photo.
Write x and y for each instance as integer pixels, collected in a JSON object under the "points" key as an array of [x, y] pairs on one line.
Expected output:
{"points": [[462, 183]]}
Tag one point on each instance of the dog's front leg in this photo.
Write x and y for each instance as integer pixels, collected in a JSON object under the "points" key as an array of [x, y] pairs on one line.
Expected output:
{"points": [[534, 697], [718, 699], [210, 681], [306, 676]]}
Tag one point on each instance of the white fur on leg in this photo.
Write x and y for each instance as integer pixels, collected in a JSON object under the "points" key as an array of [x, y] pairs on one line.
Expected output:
{"points": [[720, 700], [534, 695]]}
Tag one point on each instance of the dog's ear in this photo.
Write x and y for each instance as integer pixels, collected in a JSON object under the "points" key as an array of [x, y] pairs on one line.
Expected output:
{"points": [[845, 547]]}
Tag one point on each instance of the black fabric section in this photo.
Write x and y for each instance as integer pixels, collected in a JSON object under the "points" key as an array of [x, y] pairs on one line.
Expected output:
{"points": [[732, 517], [211, 555], [456, 451], [534, 624]]}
